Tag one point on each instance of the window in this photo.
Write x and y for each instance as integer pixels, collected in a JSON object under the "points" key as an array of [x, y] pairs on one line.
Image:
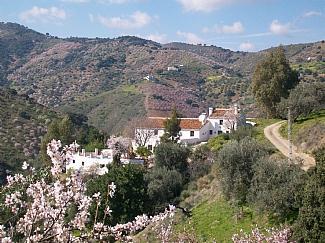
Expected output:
{"points": [[102, 165], [150, 147], [211, 132], [73, 161], [82, 163], [227, 131], [192, 133], [219, 132], [221, 122], [155, 132]]}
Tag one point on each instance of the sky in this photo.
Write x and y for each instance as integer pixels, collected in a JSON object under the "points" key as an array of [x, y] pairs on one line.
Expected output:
{"points": [[245, 25]]}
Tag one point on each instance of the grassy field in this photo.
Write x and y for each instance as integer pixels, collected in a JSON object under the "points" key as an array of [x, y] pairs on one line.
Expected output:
{"points": [[259, 130], [308, 132], [216, 221], [313, 66]]}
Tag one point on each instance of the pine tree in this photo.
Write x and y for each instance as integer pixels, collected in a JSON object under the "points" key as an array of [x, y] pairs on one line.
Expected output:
{"points": [[172, 128]]}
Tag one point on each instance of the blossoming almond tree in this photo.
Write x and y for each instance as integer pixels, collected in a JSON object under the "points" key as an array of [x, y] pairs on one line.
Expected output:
{"points": [[40, 203]]}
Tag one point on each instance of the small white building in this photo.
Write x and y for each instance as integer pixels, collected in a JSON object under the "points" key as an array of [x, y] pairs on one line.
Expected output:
{"points": [[95, 162], [193, 130], [173, 68]]}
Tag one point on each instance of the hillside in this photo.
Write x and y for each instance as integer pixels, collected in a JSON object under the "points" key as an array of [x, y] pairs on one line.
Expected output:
{"points": [[74, 74], [22, 125]]}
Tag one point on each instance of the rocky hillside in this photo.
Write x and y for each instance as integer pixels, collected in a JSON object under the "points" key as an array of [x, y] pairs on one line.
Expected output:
{"points": [[84, 75]]}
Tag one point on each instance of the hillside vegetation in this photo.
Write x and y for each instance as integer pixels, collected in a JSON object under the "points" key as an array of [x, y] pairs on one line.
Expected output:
{"points": [[307, 132], [23, 123], [60, 72]]}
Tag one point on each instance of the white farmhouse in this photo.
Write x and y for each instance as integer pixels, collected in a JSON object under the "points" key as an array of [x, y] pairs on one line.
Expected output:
{"points": [[95, 162], [193, 130]]}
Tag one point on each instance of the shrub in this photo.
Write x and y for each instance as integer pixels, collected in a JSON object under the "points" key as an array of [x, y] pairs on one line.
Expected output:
{"points": [[276, 188], [172, 156], [164, 186], [235, 161]]}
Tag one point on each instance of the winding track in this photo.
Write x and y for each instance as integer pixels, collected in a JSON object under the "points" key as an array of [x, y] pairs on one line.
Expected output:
{"points": [[272, 133]]}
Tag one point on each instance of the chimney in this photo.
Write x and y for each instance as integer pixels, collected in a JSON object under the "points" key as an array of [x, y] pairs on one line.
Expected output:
{"points": [[236, 108], [202, 117], [210, 111], [83, 152], [96, 151]]}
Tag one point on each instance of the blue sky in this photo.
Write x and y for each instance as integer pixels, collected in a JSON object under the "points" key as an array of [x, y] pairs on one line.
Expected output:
{"points": [[248, 25]]}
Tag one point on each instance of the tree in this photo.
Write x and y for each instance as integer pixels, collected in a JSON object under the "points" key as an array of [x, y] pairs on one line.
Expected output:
{"points": [[272, 80], [164, 186], [172, 128], [137, 129], [200, 162], [144, 152], [304, 99], [310, 224], [276, 188], [120, 146], [235, 161], [172, 156], [130, 198], [51, 206]]}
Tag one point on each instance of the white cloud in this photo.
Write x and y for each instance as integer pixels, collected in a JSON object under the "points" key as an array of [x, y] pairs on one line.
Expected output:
{"points": [[235, 28], [246, 46], [204, 5], [311, 14], [137, 20], [43, 14], [160, 38], [280, 29], [190, 38]]}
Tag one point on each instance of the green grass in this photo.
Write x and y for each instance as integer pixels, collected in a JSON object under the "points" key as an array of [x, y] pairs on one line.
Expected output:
{"points": [[258, 133], [214, 78], [130, 88], [215, 221], [308, 130], [303, 123], [314, 66]]}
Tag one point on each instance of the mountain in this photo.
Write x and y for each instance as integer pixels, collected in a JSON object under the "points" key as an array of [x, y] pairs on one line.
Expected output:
{"points": [[113, 80]]}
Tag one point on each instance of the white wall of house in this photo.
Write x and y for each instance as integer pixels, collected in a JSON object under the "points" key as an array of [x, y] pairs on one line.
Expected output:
{"points": [[190, 136], [219, 125], [97, 164]]}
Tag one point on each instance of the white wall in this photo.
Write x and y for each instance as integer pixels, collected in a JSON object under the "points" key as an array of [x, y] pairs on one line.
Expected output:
{"points": [[187, 138], [85, 163]]}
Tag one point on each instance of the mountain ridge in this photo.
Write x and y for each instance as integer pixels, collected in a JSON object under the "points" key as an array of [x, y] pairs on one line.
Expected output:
{"points": [[62, 72]]}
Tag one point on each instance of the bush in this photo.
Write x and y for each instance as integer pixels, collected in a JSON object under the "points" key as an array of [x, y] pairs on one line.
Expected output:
{"points": [[235, 161], [130, 199], [164, 186], [200, 162], [241, 133], [303, 100], [172, 156], [276, 188], [310, 224]]}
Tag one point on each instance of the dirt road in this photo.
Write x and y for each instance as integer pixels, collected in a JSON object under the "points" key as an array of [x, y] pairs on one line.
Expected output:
{"points": [[272, 133]]}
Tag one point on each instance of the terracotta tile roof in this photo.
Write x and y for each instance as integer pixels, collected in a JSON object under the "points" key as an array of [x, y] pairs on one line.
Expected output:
{"points": [[158, 123], [219, 112], [190, 123]]}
